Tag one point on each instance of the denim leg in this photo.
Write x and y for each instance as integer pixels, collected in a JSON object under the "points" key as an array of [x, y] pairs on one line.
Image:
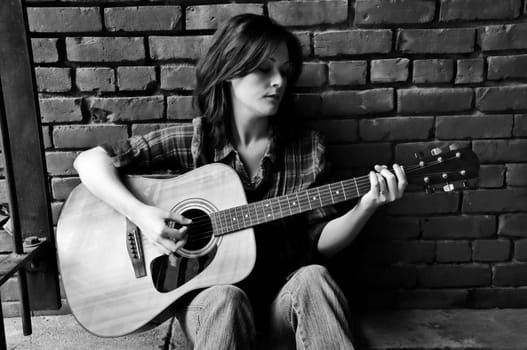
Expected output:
{"points": [[217, 318], [312, 309]]}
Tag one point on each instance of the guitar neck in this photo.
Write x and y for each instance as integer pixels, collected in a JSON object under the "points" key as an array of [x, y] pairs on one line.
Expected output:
{"points": [[256, 213]]}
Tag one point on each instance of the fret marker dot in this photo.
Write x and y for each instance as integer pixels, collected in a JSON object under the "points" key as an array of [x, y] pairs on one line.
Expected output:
{"points": [[294, 203], [337, 192], [314, 198], [268, 214], [233, 219], [246, 215]]}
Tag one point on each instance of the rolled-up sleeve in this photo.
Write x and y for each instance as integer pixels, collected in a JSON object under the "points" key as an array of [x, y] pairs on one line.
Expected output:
{"points": [[168, 148]]}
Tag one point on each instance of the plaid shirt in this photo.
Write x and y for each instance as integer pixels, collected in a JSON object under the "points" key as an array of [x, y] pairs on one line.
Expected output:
{"points": [[283, 245]]}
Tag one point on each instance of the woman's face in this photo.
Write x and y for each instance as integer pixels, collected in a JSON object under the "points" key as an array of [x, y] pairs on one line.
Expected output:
{"points": [[259, 93]]}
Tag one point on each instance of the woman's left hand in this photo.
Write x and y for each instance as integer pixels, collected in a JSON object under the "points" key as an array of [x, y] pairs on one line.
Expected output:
{"points": [[385, 186]]}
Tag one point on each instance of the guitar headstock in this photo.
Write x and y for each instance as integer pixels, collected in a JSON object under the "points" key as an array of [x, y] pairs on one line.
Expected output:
{"points": [[444, 167]]}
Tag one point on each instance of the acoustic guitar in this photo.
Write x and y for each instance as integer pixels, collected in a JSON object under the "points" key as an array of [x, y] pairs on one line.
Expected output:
{"points": [[118, 282]]}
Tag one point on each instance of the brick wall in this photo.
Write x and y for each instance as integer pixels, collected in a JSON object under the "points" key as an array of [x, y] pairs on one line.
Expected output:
{"points": [[383, 79]]}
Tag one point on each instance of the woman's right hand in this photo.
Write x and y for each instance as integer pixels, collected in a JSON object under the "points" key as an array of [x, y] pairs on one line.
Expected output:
{"points": [[153, 223]]}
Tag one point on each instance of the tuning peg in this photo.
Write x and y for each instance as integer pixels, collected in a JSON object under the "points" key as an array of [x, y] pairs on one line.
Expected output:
{"points": [[453, 147], [448, 187], [436, 151]]}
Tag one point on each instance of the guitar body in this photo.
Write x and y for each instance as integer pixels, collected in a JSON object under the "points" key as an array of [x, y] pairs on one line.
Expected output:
{"points": [[109, 295]]}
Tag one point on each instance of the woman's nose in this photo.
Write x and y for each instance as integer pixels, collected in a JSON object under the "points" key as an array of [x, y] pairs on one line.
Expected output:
{"points": [[277, 79]]}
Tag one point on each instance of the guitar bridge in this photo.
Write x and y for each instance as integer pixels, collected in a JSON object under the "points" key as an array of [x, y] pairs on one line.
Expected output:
{"points": [[135, 249]]}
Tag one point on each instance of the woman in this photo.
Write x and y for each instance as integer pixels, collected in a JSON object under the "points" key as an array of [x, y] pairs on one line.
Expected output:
{"points": [[243, 94]]}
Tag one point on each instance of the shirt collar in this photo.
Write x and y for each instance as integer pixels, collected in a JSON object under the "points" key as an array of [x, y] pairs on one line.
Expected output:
{"points": [[270, 153]]}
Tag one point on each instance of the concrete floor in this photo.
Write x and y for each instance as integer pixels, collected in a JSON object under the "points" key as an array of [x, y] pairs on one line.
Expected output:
{"points": [[382, 330]]}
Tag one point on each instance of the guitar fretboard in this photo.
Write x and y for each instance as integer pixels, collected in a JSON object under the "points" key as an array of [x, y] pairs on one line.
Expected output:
{"points": [[249, 215]]}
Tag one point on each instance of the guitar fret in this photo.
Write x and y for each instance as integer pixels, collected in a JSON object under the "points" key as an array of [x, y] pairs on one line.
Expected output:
{"points": [[343, 190]]}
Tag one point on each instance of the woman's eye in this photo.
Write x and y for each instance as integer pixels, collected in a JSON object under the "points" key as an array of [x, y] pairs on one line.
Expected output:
{"points": [[264, 68]]}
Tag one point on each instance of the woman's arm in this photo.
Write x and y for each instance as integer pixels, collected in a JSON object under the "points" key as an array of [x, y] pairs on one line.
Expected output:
{"points": [[340, 232], [101, 178]]}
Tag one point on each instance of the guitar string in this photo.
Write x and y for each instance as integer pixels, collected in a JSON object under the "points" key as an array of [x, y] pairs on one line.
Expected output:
{"points": [[203, 222]]}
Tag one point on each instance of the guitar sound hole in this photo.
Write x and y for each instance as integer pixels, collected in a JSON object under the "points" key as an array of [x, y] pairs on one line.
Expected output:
{"points": [[199, 233]]}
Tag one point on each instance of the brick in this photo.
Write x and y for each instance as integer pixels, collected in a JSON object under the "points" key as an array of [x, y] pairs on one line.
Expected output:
{"points": [[61, 163], [507, 67], [458, 275], [433, 71], [142, 18], [501, 98], [470, 71], [137, 78], [453, 251], [183, 47], [114, 109], [348, 72], [86, 136], [416, 252], [46, 137], [517, 175], [64, 19], [479, 126], [352, 42], [499, 298], [490, 250], [520, 250], [494, 200], [305, 42], [431, 299], [95, 79], [491, 176], [468, 10], [389, 70], [396, 128], [348, 103], [417, 203], [503, 37], [336, 130], [307, 105], [513, 225], [520, 125], [510, 275], [178, 77], [313, 75], [405, 152], [44, 50], [434, 100], [211, 16], [180, 107], [308, 13], [56, 208], [105, 49], [499, 151], [436, 41], [383, 227], [359, 155], [60, 109], [53, 79], [62, 186], [371, 12], [459, 227]]}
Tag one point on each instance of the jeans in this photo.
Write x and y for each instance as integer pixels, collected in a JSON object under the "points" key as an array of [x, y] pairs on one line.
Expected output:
{"points": [[309, 312]]}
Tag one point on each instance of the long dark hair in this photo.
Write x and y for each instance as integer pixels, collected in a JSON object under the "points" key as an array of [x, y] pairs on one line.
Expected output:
{"points": [[242, 44]]}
